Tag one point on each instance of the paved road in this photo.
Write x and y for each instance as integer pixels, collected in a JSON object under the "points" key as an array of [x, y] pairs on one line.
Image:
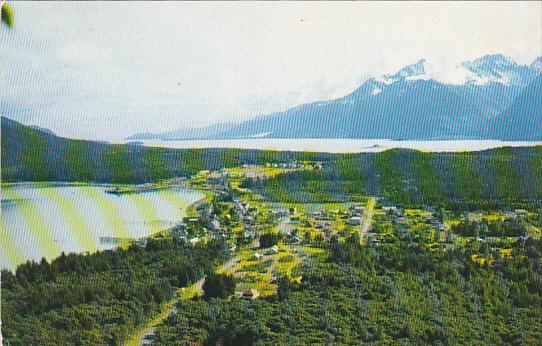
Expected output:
{"points": [[368, 219], [282, 225]]}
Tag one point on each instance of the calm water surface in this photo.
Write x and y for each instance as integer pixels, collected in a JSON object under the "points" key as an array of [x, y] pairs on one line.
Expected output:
{"points": [[44, 220], [341, 145]]}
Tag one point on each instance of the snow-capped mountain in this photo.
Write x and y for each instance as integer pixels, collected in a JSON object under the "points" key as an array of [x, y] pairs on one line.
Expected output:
{"points": [[498, 69], [420, 101], [417, 70], [495, 68]]}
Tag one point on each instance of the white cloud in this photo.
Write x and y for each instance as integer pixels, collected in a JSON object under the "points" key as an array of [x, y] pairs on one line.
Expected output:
{"points": [[448, 71]]}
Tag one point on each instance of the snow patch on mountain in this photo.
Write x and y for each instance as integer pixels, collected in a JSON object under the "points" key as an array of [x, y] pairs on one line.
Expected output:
{"points": [[261, 134], [495, 68], [376, 91]]}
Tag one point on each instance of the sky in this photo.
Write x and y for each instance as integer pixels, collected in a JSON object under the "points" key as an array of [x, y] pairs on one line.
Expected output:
{"points": [[99, 70]]}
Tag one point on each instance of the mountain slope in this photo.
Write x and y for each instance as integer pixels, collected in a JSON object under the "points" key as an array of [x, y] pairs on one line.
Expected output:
{"points": [[523, 118], [186, 134], [410, 104]]}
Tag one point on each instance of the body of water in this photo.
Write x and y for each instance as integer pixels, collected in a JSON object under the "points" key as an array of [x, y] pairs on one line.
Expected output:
{"points": [[43, 220], [340, 145]]}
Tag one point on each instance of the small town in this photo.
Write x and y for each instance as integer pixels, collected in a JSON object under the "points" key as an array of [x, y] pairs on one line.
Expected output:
{"points": [[270, 240]]}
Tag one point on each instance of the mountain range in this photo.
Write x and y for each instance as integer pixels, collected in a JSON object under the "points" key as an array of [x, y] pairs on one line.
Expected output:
{"points": [[492, 97]]}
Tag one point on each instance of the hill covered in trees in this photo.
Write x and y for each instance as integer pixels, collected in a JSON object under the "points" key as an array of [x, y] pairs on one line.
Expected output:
{"points": [[468, 180], [396, 294], [30, 154], [99, 299]]}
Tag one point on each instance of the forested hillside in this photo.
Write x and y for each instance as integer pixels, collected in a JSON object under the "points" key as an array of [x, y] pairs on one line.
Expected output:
{"points": [[487, 179], [99, 299], [396, 294], [29, 154]]}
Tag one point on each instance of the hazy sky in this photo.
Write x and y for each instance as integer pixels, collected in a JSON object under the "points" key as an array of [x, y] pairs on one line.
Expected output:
{"points": [[107, 70]]}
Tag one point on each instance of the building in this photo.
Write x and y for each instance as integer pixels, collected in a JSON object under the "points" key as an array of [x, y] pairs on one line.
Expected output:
{"points": [[256, 257], [250, 294], [355, 221], [214, 225], [272, 250]]}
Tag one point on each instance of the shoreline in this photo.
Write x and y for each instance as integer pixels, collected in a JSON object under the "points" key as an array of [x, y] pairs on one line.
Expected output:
{"points": [[59, 183]]}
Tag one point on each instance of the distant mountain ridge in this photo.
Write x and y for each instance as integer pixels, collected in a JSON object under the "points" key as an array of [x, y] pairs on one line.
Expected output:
{"points": [[189, 133], [413, 103]]}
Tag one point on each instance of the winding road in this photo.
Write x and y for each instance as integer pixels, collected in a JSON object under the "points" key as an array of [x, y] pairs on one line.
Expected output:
{"points": [[367, 219], [146, 335]]}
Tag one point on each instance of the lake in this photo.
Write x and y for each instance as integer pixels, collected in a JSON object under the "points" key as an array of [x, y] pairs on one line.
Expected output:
{"points": [[341, 145], [43, 220]]}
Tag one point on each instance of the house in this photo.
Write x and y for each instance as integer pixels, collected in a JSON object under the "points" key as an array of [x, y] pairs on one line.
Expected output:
{"points": [[296, 239], [521, 212], [294, 219], [250, 294], [142, 241], [249, 233], [256, 257], [389, 208], [359, 208], [179, 232], [281, 213], [356, 210], [400, 220], [272, 250], [392, 210], [214, 225], [355, 221]]}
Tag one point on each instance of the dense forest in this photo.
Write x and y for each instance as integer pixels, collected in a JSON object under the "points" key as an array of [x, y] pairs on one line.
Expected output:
{"points": [[506, 177], [393, 294], [99, 299]]}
